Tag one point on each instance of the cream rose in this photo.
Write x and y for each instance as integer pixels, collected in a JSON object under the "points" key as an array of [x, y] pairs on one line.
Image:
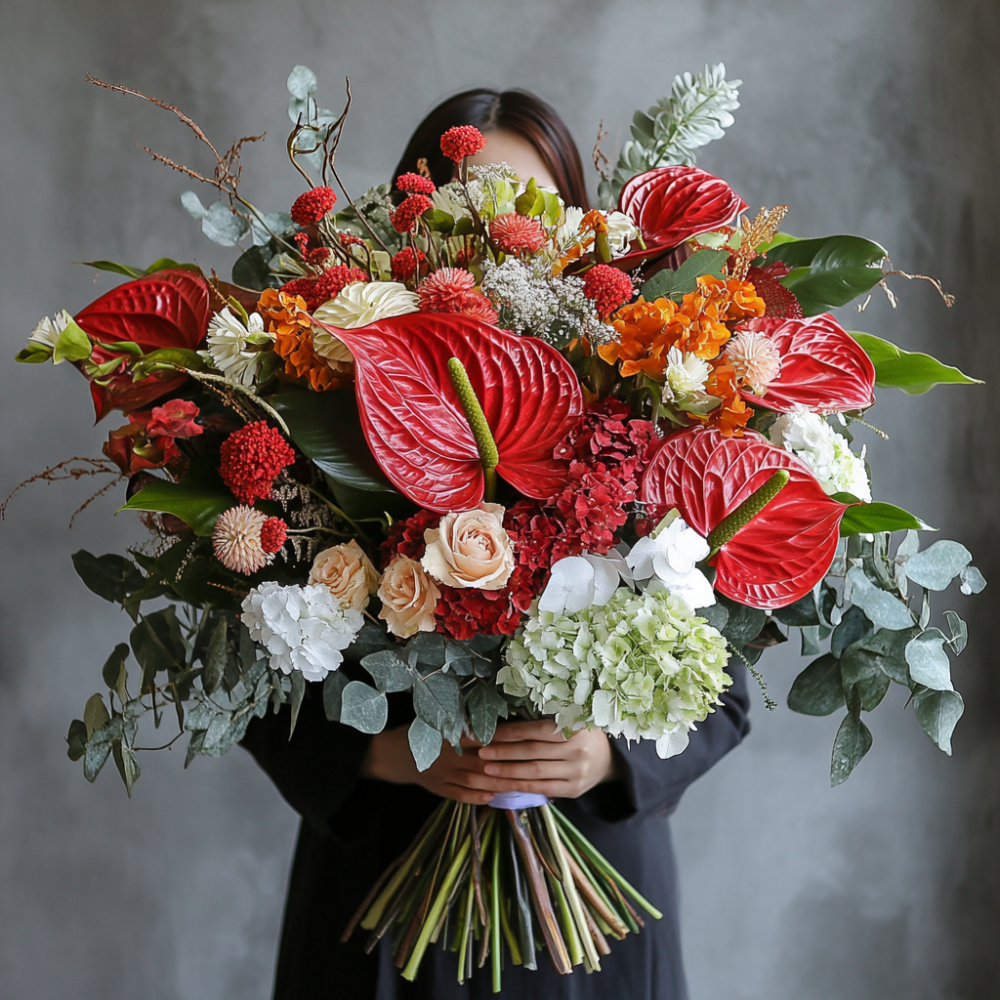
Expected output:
{"points": [[409, 597], [347, 573], [470, 549]]}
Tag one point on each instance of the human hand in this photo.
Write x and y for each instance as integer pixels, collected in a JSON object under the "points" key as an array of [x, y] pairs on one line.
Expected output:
{"points": [[536, 757]]}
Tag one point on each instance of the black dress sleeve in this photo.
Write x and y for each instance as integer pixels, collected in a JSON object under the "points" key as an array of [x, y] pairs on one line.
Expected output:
{"points": [[648, 785], [318, 770]]}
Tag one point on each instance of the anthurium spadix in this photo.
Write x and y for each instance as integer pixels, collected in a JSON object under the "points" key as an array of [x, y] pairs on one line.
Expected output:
{"points": [[785, 549], [414, 421]]}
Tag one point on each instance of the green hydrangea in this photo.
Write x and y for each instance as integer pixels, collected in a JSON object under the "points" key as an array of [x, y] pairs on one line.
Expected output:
{"points": [[642, 666]]}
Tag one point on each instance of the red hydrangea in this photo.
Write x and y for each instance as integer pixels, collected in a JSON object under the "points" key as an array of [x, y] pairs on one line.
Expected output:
{"points": [[514, 233], [608, 287], [780, 303], [468, 612], [462, 141], [406, 538], [404, 264], [453, 290], [251, 459], [415, 184], [310, 207], [406, 215], [324, 287], [273, 533]]}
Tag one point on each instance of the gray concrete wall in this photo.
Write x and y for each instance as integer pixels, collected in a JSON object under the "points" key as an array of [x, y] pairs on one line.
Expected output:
{"points": [[871, 118]]}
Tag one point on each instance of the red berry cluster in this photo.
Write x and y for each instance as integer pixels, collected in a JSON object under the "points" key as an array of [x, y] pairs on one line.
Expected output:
{"points": [[273, 533], [608, 287], [326, 286], [462, 141], [251, 459], [415, 184], [312, 206], [405, 217], [405, 263]]}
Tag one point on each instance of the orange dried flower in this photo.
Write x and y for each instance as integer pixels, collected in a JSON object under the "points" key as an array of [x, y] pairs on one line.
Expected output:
{"points": [[287, 319], [645, 337], [731, 417]]}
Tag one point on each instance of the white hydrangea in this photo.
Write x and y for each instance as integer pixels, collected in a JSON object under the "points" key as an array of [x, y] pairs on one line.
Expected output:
{"points": [[234, 347], [303, 628], [808, 436], [531, 301], [642, 666]]}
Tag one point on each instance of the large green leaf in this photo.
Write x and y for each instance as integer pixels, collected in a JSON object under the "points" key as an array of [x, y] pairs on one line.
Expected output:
{"points": [[869, 518], [327, 428], [678, 283], [197, 500], [829, 271], [910, 371], [818, 689]]}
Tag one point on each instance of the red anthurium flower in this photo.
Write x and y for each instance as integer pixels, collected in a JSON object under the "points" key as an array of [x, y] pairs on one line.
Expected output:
{"points": [[167, 309], [413, 420], [785, 550], [823, 368], [672, 204]]}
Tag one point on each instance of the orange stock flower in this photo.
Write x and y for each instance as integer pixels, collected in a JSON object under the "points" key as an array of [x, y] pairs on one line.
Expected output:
{"points": [[288, 320], [647, 330]]}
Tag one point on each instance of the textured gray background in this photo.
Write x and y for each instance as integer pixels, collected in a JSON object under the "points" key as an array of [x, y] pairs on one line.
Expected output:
{"points": [[874, 118]]}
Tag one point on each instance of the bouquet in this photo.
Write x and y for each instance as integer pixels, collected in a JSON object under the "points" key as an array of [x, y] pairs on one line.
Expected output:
{"points": [[510, 456]]}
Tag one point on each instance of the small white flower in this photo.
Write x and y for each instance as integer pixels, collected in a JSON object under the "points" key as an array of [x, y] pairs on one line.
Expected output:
{"points": [[671, 556], [361, 303], [621, 231], [451, 199], [808, 436], [579, 582], [303, 628], [686, 373], [755, 359], [47, 331], [230, 342]]}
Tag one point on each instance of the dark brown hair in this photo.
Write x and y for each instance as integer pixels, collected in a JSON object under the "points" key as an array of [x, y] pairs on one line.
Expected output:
{"points": [[517, 111]]}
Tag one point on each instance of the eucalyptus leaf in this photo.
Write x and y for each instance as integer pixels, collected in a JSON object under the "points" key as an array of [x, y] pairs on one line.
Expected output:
{"points": [[216, 657], [928, 662], [973, 582], [883, 652], [801, 614], [937, 566], [938, 713], [128, 766], [436, 701], [425, 743], [818, 689], [95, 715], [852, 742], [389, 671], [853, 626], [193, 206], [114, 672], [743, 623], [301, 82], [222, 225], [882, 608], [333, 693], [109, 576], [485, 704], [364, 708], [959, 632], [298, 694], [76, 739]]}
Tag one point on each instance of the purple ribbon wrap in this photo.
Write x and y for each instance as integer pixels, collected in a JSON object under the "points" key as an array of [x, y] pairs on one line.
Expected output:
{"points": [[517, 800]]}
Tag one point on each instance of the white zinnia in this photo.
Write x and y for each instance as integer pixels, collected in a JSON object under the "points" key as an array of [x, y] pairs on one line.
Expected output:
{"points": [[303, 628], [808, 436], [671, 555], [230, 344], [361, 303]]}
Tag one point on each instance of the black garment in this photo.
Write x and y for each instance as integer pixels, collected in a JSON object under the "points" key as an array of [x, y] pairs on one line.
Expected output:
{"points": [[353, 827]]}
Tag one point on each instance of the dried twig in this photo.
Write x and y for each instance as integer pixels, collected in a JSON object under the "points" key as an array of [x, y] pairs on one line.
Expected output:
{"points": [[68, 469], [600, 160]]}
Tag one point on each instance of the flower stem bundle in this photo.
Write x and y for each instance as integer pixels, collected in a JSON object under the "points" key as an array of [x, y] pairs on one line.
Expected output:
{"points": [[492, 884]]}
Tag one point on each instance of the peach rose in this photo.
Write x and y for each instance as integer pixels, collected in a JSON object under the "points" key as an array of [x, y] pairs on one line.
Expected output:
{"points": [[408, 597], [348, 574], [470, 549]]}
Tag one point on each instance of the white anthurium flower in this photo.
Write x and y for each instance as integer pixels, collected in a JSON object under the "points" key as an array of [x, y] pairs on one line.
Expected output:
{"points": [[671, 556], [361, 303], [579, 582]]}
